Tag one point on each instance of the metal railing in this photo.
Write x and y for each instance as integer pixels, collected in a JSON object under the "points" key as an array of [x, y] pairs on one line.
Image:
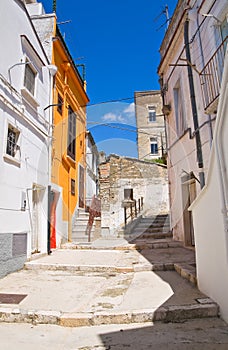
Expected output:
{"points": [[211, 75], [132, 210]]}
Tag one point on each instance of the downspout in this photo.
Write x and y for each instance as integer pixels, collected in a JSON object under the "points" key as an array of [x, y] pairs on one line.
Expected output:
{"points": [[193, 105], [203, 62], [161, 82]]}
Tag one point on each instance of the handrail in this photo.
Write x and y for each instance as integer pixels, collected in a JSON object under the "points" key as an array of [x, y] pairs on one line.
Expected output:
{"points": [[132, 210]]}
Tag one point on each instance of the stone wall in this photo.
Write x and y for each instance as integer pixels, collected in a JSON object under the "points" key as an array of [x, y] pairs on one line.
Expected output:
{"points": [[149, 129], [13, 252], [148, 180]]}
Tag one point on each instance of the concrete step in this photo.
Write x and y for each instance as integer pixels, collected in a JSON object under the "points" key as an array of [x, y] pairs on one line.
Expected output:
{"points": [[155, 221], [177, 313], [156, 235], [81, 239], [156, 244]]}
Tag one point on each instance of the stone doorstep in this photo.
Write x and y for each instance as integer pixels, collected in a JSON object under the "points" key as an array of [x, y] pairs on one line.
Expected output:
{"points": [[164, 314]]}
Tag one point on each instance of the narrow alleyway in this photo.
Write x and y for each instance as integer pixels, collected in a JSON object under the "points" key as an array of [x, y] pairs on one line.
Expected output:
{"points": [[115, 294]]}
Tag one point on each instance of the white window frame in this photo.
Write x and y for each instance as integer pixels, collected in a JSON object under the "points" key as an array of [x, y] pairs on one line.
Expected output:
{"points": [[25, 91], [153, 141], [151, 109], [180, 118], [29, 68], [16, 157]]}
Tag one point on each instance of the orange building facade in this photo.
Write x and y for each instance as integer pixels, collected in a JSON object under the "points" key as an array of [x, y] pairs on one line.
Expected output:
{"points": [[68, 144], [67, 158]]}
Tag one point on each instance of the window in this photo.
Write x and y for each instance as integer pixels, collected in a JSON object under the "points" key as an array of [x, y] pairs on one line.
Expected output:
{"points": [[60, 104], [128, 193], [179, 111], [152, 113], [71, 151], [12, 138], [153, 145], [73, 187], [12, 145], [30, 78]]}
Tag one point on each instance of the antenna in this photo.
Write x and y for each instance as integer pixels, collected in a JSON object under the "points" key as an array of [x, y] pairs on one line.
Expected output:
{"points": [[165, 11], [54, 6]]}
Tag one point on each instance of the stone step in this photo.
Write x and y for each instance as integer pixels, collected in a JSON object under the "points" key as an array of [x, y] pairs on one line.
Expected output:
{"points": [[143, 225], [79, 268], [81, 239], [156, 235], [177, 313], [154, 220], [157, 230], [156, 244]]}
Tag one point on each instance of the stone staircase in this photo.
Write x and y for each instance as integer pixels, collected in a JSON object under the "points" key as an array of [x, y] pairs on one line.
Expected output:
{"points": [[79, 234], [151, 230], [154, 240]]}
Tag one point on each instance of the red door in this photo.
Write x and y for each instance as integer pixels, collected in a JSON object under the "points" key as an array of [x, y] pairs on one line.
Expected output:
{"points": [[53, 220]]}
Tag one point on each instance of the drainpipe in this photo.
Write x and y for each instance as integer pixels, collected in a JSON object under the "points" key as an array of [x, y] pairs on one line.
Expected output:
{"points": [[203, 62], [193, 105]]}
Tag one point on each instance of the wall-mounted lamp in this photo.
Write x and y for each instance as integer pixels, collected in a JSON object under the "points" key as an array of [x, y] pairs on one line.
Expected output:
{"points": [[211, 15], [14, 65]]}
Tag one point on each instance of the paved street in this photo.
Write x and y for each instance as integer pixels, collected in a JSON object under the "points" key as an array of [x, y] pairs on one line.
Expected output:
{"points": [[106, 296], [207, 334], [92, 287]]}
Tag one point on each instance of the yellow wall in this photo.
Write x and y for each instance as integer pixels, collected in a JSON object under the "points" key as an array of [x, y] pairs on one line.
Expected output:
{"points": [[70, 88]]}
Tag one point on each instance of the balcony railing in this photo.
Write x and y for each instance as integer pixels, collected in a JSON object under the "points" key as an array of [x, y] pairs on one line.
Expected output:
{"points": [[211, 78]]}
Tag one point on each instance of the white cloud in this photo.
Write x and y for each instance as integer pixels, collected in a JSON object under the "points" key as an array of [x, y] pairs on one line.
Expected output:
{"points": [[130, 110], [112, 117]]}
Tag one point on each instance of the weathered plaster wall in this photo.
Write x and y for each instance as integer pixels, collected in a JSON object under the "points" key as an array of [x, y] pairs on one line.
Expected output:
{"points": [[148, 180]]}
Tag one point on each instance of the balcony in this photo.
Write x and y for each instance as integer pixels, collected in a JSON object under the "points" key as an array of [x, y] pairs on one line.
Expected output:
{"points": [[211, 78]]}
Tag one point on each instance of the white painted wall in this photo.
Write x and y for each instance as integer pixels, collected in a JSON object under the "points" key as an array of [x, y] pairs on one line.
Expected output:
{"points": [[33, 161], [210, 213], [92, 158], [182, 150]]}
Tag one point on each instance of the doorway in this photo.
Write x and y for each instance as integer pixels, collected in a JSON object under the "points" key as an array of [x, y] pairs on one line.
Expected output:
{"points": [[36, 219], [81, 190], [188, 196], [53, 203]]}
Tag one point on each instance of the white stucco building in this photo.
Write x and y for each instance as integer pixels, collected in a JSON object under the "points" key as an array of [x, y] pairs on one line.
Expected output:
{"points": [[193, 73], [92, 162], [25, 128]]}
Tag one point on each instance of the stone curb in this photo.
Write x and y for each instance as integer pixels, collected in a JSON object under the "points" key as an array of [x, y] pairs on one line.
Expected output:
{"points": [[163, 314]]}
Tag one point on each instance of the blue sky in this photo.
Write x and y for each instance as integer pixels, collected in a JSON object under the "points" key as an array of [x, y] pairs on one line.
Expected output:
{"points": [[118, 41]]}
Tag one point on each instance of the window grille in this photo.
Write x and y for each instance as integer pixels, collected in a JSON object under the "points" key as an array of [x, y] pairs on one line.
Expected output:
{"points": [[11, 143]]}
